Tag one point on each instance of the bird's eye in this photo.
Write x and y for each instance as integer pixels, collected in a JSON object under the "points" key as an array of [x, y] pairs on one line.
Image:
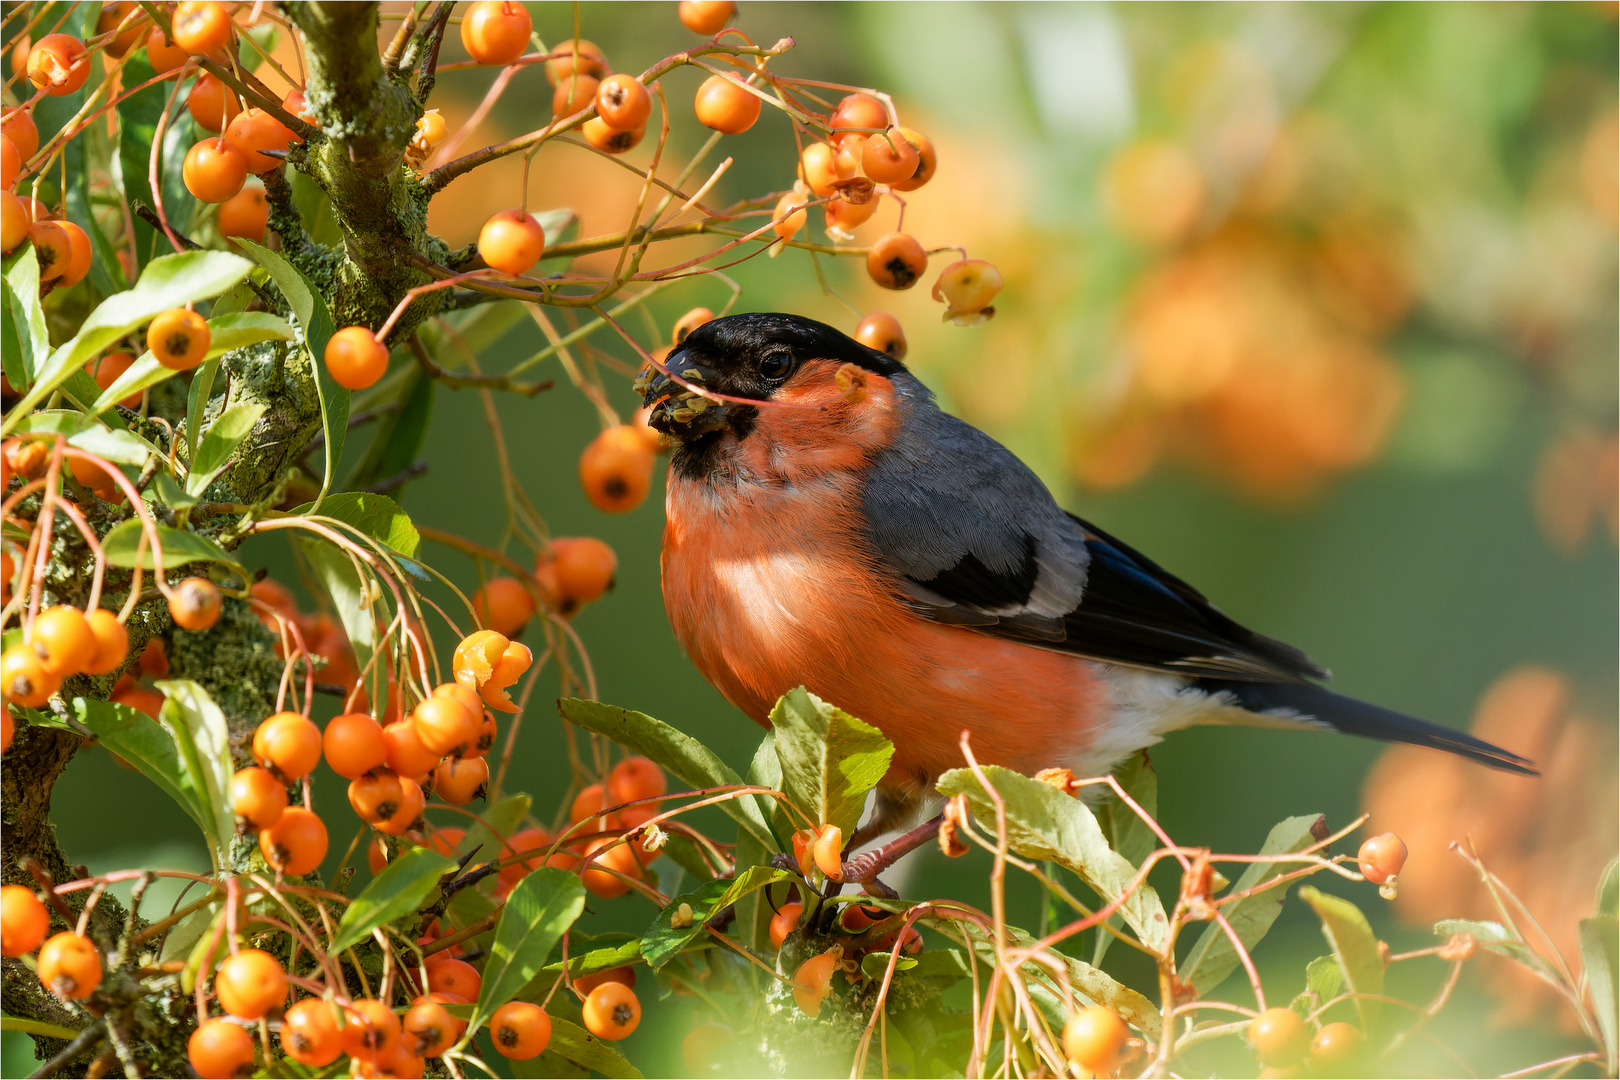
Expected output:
{"points": [[776, 365]]}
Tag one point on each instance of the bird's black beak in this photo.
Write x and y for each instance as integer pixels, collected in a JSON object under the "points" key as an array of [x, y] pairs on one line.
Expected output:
{"points": [[677, 411]]}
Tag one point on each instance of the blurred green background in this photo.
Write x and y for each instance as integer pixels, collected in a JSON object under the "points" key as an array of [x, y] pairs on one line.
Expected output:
{"points": [[1314, 304]]}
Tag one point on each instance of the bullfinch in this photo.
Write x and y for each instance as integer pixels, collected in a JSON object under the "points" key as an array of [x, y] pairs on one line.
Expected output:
{"points": [[829, 526]]}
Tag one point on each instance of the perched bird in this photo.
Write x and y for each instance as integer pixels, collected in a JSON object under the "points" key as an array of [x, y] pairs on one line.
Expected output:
{"points": [[829, 526]]}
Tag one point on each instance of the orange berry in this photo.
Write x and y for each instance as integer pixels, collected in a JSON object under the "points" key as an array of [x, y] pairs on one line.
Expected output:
{"points": [[257, 797], [1094, 1037], [828, 851], [927, 161], [24, 679], [812, 979], [295, 105], [213, 105], [112, 643], [429, 1029], [724, 105], [611, 1011], [803, 841], [179, 339], [79, 254], [139, 698], [880, 331], [495, 31], [790, 215], [573, 95], [968, 286], [14, 222], [355, 358], [8, 729], [451, 976], [69, 966], [616, 470], [518, 843], [458, 781], [126, 17], [588, 803], [295, 844], [888, 157], [1336, 1050], [624, 976], [456, 692], [584, 569], [404, 750], [52, 248], [220, 1050], [250, 983], [162, 54], [511, 241], [504, 606], [411, 802], [819, 168], [688, 323], [10, 162], [201, 27], [58, 65], [375, 797], [621, 858], [106, 370], [859, 112], [784, 922], [18, 126], [353, 745], [609, 139], [23, 920], [245, 214], [376, 856], [521, 1030], [62, 639], [572, 57], [1280, 1037], [634, 778], [309, 1033], [707, 17], [444, 724], [896, 261], [370, 1029], [289, 744], [253, 130], [1381, 857], [623, 103], [844, 217], [214, 170]]}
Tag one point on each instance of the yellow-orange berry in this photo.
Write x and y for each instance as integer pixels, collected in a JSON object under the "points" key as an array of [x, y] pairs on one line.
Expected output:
{"points": [[444, 724], [616, 469], [220, 1050], [725, 105], [511, 241], [62, 639], [1381, 857], [784, 922], [609, 139], [295, 844], [370, 1029], [201, 27], [1094, 1037], [611, 1011], [504, 606], [245, 214], [257, 797], [375, 797], [896, 261], [428, 1027], [859, 112], [495, 31], [927, 161], [521, 1030], [812, 980], [18, 126], [126, 17], [309, 1033], [57, 64], [623, 103], [79, 254], [707, 17], [69, 966], [573, 95], [180, 340], [106, 371], [405, 753], [888, 157], [411, 802], [573, 57], [52, 249], [163, 54], [353, 745], [828, 851], [250, 983], [254, 130], [289, 744], [355, 358], [967, 286], [212, 104], [1279, 1036], [23, 920], [458, 781], [23, 679], [881, 331], [214, 170]]}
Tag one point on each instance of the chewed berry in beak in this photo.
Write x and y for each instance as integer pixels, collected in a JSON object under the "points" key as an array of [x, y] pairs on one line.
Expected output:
{"points": [[677, 411]]}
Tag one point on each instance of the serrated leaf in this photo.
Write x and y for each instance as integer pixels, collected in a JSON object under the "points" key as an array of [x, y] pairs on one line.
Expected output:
{"points": [[378, 516], [678, 753], [1212, 958], [1355, 947], [204, 740], [315, 322], [1600, 952], [830, 759], [1324, 978], [224, 436], [168, 282], [663, 941], [180, 547], [401, 889], [1044, 823], [541, 906]]}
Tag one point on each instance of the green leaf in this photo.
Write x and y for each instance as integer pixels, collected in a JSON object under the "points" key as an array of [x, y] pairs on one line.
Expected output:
{"points": [[137, 131], [168, 282], [169, 492], [179, 548], [543, 905], [1493, 937], [1096, 984], [1044, 823], [378, 516], [573, 1043], [830, 759], [875, 964], [1212, 958], [401, 889], [315, 321], [504, 817], [143, 373], [204, 740], [591, 961], [1355, 947], [1127, 833], [663, 941], [197, 398], [25, 319], [680, 754], [400, 434], [1600, 952], [1608, 890], [116, 445], [345, 584], [237, 329], [224, 436], [1324, 978]]}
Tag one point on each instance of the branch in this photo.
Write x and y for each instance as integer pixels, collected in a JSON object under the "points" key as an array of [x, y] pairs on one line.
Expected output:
{"points": [[433, 35], [457, 382], [348, 87]]}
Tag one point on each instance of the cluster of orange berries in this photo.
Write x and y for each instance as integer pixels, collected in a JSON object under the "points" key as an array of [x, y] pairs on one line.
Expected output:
{"points": [[62, 247], [1284, 1043], [573, 571], [61, 641], [69, 965]]}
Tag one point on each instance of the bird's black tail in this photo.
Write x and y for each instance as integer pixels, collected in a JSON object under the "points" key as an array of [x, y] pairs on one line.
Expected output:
{"points": [[1369, 721]]}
